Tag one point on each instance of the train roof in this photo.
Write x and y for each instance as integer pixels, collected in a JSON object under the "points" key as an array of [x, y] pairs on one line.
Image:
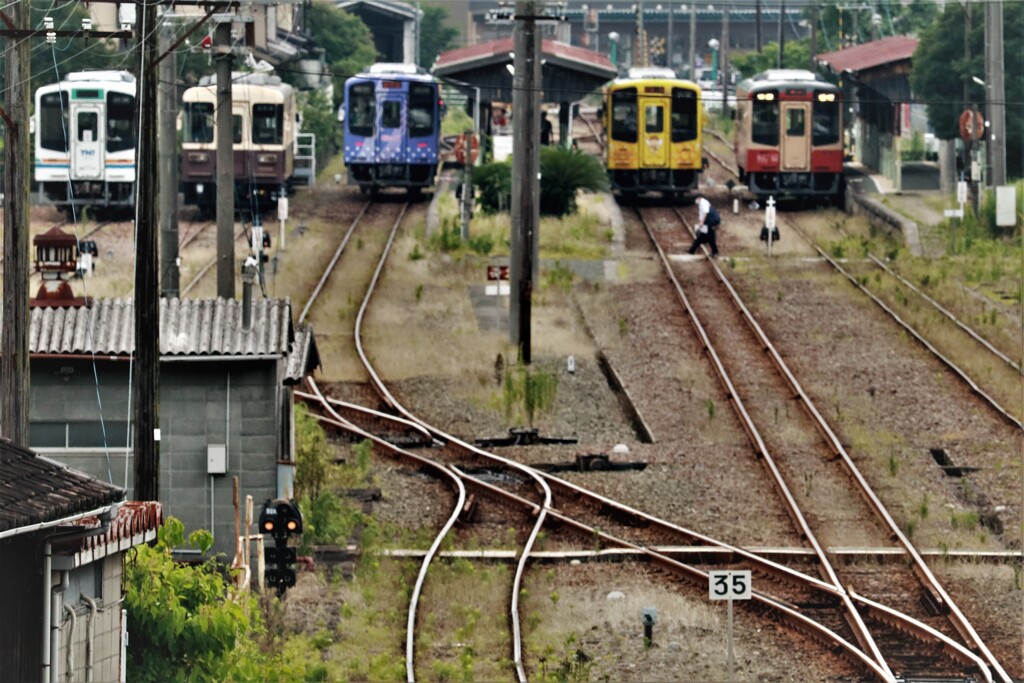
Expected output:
{"points": [[243, 86], [394, 70], [781, 78], [119, 81], [101, 75], [652, 73]]}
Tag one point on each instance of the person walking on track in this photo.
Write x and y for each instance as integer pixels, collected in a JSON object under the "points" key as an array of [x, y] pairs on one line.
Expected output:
{"points": [[707, 226]]}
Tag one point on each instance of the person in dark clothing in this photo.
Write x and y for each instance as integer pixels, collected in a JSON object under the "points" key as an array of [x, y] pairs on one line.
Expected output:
{"points": [[545, 129], [707, 226]]}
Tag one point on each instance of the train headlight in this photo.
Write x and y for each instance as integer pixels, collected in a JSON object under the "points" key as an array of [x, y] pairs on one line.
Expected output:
{"points": [[826, 97], [766, 96], [198, 157], [266, 159]]}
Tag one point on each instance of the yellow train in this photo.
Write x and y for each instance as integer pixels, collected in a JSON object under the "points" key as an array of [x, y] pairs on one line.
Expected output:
{"points": [[653, 125]]}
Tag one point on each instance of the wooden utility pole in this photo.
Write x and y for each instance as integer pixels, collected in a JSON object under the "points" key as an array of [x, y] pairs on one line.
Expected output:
{"points": [[15, 366], [525, 173], [167, 104], [225, 166], [146, 374]]}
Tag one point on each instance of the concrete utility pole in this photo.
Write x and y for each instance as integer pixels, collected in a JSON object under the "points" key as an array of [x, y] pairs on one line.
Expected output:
{"points": [[167, 104], [995, 91], [146, 374], [640, 44], [757, 27], [14, 366], [693, 42], [526, 83], [724, 59], [814, 37], [668, 39], [225, 165], [782, 35]]}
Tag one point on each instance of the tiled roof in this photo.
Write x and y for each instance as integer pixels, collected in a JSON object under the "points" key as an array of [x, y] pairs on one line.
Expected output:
{"points": [[869, 55], [37, 490], [136, 522], [499, 50], [188, 327]]}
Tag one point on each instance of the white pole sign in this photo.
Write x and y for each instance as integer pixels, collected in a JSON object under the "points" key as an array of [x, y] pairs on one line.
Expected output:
{"points": [[729, 585]]}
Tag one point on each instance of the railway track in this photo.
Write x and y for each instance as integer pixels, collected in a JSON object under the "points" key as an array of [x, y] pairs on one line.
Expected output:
{"points": [[1001, 372], [574, 510], [982, 663]]}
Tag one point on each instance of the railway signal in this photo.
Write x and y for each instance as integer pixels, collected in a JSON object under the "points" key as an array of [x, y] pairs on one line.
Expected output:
{"points": [[280, 519]]}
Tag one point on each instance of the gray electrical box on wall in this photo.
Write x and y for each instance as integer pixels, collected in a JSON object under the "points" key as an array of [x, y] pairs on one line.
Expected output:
{"points": [[216, 459]]}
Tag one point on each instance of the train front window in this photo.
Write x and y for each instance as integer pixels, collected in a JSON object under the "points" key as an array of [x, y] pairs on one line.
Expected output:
{"points": [[53, 121], [422, 100], [654, 118], [120, 122], [267, 124], [825, 123], [684, 115], [795, 123], [199, 122], [361, 109], [391, 114], [624, 115], [88, 125], [764, 129]]}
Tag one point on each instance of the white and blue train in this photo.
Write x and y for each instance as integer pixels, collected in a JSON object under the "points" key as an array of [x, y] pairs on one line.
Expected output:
{"points": [[392, 121], [85, 137]]}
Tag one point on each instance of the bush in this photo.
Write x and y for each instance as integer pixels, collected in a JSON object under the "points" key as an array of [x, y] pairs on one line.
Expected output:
{"points": [[563, 172], [494, 185]]}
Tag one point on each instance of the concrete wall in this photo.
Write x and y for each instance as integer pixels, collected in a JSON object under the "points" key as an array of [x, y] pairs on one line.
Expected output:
{"points": [[237, 404], [91, 642]]}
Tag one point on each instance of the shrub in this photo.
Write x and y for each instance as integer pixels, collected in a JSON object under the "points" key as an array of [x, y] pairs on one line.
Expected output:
{"points": [[563, 173]]}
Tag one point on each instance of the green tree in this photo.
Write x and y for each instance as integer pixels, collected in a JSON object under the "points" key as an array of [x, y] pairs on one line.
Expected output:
{"points": [[795, 56], [320, 117], [346, 41], [939, 72], [436, 35], [184, 627]]}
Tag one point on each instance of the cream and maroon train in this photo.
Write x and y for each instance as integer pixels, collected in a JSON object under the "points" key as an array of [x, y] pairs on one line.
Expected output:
{"points": [[789, 135]]}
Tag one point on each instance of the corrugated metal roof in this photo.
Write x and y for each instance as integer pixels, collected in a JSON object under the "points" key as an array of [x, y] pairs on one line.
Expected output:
{"points": [[36, 490], [869, 55], [304, 358], [188, 327]]}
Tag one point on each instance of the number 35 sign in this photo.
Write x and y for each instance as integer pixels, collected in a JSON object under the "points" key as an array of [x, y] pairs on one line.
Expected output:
{"points": [[729, 584]]}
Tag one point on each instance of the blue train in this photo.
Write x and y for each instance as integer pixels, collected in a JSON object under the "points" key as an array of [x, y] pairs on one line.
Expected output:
{"points": [[392, 119]]}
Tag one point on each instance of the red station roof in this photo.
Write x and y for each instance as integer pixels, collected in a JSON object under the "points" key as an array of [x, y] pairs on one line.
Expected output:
{"points": [[869, 55]]}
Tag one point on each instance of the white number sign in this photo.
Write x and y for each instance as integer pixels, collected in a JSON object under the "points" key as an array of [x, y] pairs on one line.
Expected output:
{"points": [[729, 584]]}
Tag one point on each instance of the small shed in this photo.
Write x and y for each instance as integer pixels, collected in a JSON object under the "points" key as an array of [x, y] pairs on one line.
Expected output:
{"points": [[875, 76], [225, 401], [63, 535]]}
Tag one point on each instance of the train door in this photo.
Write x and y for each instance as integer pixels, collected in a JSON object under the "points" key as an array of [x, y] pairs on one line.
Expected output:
{"points": [[654, 118], [796, 143], [391, 125], [86, 145]]}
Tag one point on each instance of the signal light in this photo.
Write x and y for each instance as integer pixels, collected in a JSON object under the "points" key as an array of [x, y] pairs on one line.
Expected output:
{"points": [[280, 518]]}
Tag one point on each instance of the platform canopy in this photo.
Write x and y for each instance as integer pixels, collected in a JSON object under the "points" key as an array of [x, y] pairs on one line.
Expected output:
{"points": [[569, 73]]}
